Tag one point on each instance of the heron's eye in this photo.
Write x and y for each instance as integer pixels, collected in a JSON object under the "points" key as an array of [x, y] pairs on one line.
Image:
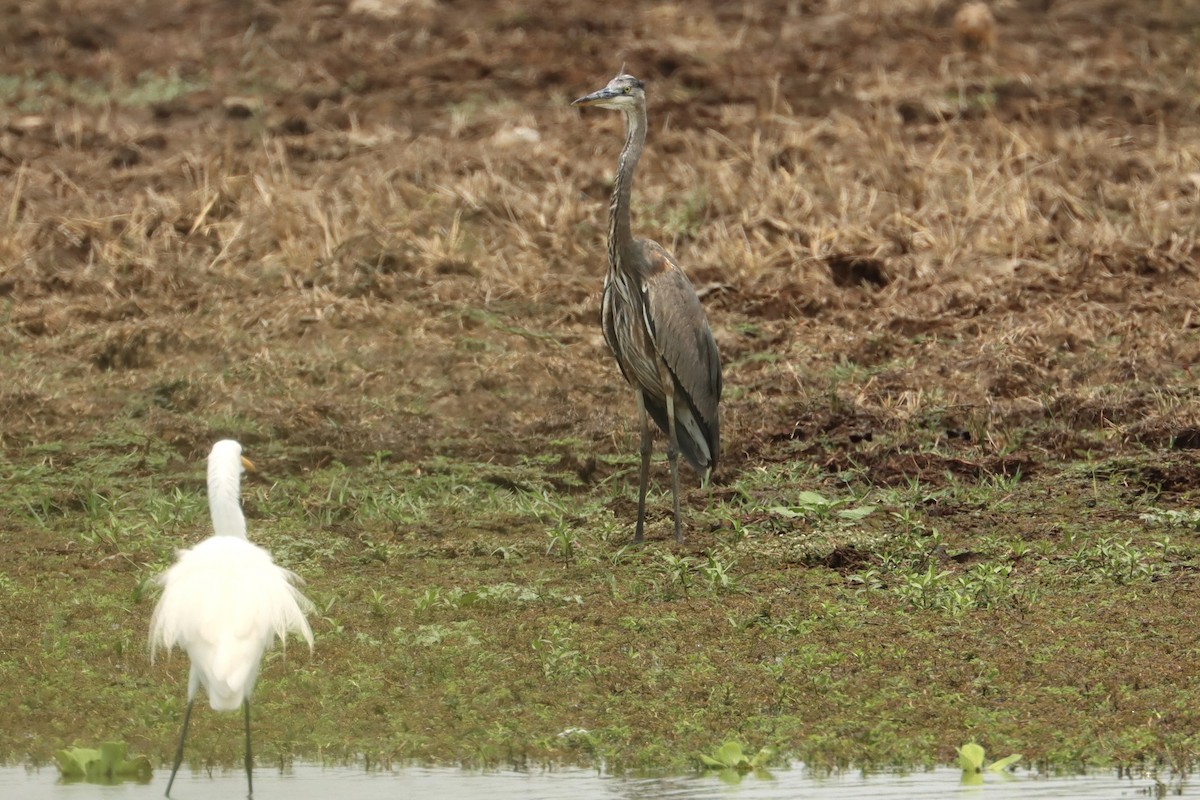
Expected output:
{"points": [[628, 89]]}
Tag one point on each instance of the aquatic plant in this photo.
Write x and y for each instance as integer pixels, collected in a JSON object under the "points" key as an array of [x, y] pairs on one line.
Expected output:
{"points": [[106, 765], [733, 764], [970, 758]]}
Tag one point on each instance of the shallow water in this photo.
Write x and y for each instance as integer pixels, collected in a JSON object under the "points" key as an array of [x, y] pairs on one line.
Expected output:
{"points": [[310, 782]]}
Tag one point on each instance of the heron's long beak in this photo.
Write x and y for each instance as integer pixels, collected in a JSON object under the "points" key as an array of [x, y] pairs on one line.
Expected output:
{"points": [[595, 97], [248, 465]]}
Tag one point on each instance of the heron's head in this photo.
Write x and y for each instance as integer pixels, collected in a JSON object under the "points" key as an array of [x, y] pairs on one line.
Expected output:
{"points": [[623, 93]]}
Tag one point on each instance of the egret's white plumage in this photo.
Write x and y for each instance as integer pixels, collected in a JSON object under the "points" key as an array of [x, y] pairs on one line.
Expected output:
{"points": [[225, 465], [225, 601]]}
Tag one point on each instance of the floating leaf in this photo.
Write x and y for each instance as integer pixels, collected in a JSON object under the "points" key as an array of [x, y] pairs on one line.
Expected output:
{"points": [[971, 779], [73, 763], [730, 776], [732, 763], [1004, 763], [970, 757], [107, 765], [759, 762], [730, 754]]}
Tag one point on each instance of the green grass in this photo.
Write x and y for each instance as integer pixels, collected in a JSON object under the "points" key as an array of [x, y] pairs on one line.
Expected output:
{"points": [[835, 625], [30, 93]]}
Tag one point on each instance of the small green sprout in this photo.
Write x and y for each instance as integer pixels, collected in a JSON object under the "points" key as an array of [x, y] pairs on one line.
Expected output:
{"points": [[970, 758], [733, 764], [108, 765]]}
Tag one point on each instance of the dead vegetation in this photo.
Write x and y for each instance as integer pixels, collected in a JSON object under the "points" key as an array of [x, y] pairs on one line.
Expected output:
{"points": [[1007, 238], [975, 26]]}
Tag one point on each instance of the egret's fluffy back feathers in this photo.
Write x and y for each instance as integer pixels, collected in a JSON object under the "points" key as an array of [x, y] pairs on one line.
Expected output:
{"points": [[225, 602]]}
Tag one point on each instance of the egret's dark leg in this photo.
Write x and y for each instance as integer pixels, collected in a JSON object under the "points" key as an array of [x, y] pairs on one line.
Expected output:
{"points": [[249, 778], [644, 475], [673, 461], [187, 715]]}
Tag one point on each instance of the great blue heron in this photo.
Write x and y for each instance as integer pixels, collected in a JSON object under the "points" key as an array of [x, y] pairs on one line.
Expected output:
{"points": [[225, 601], [653, 321]]}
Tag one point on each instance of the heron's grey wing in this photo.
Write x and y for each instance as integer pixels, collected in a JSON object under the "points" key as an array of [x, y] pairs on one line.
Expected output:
{"points": [[609, 319], [684, 341]]}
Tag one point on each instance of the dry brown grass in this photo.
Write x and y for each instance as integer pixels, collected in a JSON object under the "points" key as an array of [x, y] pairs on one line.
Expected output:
{"points": [[1042, 219], [975, 26]]}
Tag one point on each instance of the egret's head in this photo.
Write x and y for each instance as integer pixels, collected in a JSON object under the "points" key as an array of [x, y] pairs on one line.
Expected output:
{"points": [[623, 93], [228, 454]]}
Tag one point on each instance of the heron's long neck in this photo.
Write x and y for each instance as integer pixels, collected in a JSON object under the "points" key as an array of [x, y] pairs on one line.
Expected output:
{"points": [[620, 235], [224, 502]]}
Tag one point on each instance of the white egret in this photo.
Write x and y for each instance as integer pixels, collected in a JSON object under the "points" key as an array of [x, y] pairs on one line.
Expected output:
{"points": [[224, 601]]}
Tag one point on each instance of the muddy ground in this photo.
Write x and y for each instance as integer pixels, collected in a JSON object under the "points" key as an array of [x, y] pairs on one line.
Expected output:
{"points": [[370, 236]]}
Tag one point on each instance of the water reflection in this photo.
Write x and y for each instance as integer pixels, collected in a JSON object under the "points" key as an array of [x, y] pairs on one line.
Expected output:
{"points": [[313, 782]]}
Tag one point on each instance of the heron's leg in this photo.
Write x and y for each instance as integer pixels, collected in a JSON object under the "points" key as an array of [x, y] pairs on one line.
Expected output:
{"points": [[644, 476], [673, 459], [187, 715], [249, 778]]}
